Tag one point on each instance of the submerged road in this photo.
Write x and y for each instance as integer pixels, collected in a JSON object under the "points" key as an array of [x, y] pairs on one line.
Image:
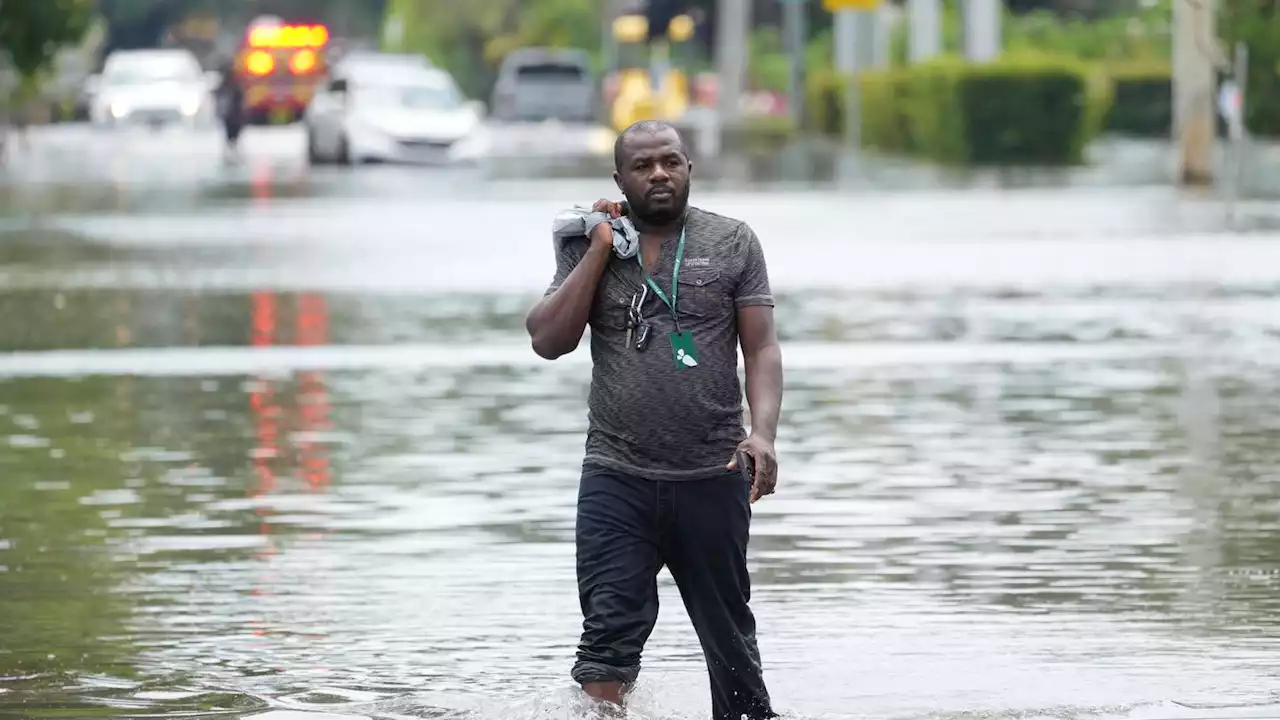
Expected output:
{"points": [[273, 445]]}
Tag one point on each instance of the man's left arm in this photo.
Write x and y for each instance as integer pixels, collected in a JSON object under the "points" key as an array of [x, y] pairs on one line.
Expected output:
{"points": [[753, 300]]}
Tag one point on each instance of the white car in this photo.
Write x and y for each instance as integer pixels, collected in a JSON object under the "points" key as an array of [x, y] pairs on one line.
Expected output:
{"points": [[359, 59], [395, 115], [151, 87]]}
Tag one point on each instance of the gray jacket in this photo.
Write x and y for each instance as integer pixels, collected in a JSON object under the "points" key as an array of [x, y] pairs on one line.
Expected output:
{"points": [[579, 222]]}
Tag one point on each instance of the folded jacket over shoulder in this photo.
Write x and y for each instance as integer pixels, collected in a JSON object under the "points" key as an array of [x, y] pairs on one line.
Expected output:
{"points": [[579, 222]]}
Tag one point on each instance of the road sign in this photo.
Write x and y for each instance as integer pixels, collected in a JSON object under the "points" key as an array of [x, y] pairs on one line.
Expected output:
{"points": [[842, 5], [1230, 102]]}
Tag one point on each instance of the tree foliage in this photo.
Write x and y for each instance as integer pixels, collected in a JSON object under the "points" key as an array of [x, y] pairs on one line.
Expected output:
{"points": [[143, 23], [1257, 26], [32, 31], [471, 38]]}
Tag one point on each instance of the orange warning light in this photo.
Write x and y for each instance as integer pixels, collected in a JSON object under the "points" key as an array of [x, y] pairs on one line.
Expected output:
{"points": [[259, 62], [302, 62], [289, 36]]}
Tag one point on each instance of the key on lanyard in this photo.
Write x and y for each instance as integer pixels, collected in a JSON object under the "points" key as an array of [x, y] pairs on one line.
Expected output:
{"points": [[642, 336]]}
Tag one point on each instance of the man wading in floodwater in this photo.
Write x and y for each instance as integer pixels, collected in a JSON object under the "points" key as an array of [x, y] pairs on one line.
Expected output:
{"points": [[661, 483]]}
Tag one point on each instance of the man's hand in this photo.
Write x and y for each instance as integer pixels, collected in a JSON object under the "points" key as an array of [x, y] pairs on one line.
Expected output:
{"points": [[608, 206], [766, 461], [602, 235]]}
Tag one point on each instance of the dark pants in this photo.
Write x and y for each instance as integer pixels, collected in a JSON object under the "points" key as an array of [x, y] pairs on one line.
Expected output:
{"points": [[232, 126], [627, 529]]}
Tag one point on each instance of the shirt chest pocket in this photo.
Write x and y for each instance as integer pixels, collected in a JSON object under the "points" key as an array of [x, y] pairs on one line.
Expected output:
{"points": [[610, 310], [702, 292]]}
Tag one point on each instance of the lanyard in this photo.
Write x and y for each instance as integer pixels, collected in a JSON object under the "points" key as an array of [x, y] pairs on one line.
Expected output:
{"points": [[675, 281]]}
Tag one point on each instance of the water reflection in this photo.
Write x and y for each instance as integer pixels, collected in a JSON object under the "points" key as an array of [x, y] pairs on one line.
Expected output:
{"points": [[273, 465], [62, 488], [400, 539]]}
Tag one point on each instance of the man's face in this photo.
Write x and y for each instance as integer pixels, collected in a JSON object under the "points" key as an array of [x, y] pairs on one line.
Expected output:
{"points": [[654, 176]]}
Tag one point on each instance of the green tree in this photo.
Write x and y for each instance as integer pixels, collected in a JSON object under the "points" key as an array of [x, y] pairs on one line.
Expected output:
{"points": [[1257, 25], [32, 32], [551, 23], [471, 38]]}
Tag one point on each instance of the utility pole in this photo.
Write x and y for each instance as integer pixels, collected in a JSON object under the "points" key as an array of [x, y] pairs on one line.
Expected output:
{"points": [[982, 31], [924, 25], [796, 32], [1231, 102], [733, 25], [882, 24], [851, 55], [1195, 51]]}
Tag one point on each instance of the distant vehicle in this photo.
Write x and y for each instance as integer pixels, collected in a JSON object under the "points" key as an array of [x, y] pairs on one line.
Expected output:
{"points": [[374, 59], [648, 78], [545, 84], [391, 114], [279, 66], [151, 87]]}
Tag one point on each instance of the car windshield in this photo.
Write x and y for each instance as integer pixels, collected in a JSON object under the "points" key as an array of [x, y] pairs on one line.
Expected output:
{"points": [[137, 72], [413, 96]]}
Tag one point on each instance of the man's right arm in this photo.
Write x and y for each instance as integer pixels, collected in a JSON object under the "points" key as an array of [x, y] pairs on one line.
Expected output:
{"points": [[556, 323]]}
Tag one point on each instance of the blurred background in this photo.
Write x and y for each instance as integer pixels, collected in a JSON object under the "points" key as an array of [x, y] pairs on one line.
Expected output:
{"points": [[273, 443]]}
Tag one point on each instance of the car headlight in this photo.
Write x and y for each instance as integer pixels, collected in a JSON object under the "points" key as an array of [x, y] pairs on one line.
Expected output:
{"points": [[191, 107], [119, 110]]}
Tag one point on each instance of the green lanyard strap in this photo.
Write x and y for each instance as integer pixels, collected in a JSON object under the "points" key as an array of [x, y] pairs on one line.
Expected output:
{"points": [[675, 281]]}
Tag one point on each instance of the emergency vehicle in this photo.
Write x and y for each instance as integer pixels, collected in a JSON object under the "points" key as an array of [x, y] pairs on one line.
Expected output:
{"points": [[649, 78], [279, 67]]}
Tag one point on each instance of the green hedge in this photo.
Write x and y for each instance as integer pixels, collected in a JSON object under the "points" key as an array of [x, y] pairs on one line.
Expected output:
{"points": [[884, 121], [1142, 102], [759, 135], [1262, 98], [1012, 111], [1257, 25]]}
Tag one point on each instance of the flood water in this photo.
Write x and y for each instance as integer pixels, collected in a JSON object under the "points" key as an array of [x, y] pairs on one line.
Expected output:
{"points": [[273, 445]]}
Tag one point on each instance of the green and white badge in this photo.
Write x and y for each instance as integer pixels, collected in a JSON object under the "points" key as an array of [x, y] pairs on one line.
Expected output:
{"points": [[683, 350]]}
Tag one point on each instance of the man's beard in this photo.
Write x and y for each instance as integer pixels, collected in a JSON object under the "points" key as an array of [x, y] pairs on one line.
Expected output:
{"points": [[642, 209]]}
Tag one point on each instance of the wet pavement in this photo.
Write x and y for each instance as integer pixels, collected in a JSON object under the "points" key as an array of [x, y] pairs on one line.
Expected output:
{"points": [[273, 444]]}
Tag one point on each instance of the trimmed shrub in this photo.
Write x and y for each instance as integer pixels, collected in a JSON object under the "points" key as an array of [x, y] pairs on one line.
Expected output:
{"points": [[760, 134], [1016, 110], [1025, 111], [1143, 101]]}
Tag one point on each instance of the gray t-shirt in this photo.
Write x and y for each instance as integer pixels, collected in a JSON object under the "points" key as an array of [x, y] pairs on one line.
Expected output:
{"points": [[647, 417]]}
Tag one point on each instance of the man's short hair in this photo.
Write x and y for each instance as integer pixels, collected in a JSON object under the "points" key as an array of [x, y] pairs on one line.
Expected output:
{"points": [[647, 127]]}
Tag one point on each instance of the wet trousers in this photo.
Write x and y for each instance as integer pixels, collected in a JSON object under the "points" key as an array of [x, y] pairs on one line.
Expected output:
{"points": [[627, 529]]}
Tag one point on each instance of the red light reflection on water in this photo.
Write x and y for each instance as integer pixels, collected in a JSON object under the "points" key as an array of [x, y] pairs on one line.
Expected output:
{"points": [[260, 179], [308, 395], [262, 401], [313, 395], [289, 415]]}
